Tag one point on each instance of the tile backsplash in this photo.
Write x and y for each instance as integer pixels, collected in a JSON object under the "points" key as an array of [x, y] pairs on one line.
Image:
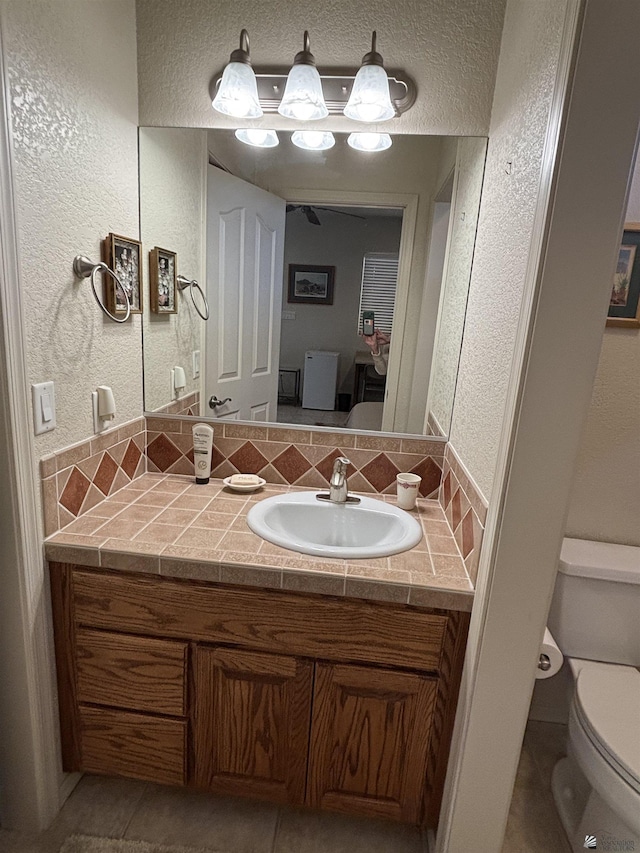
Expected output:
{"points": [[300, 457], [187, 405], [75, 479], [465, 508]]}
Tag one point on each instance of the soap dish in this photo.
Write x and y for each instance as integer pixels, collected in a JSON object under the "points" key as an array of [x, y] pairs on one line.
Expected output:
{"points": [[256, 483]]}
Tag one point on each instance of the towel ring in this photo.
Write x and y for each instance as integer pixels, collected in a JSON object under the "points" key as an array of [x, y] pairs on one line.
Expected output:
{"points": [[84, 268], [183, 283]]}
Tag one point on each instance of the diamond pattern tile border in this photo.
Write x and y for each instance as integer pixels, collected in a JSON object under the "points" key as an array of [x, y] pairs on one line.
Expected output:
{"points": [[296, 464], [465, 509], [77, 478]]}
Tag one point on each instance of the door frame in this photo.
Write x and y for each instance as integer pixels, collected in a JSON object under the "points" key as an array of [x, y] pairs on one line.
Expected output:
{"points": [[32, 785], [409, 204], [585, 177]]}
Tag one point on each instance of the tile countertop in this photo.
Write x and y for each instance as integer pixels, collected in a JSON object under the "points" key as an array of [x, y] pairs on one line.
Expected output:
{"points": [[167, 525]]}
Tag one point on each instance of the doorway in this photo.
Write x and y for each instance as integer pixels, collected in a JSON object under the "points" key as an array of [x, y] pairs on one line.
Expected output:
{"points": [[357, 248]]}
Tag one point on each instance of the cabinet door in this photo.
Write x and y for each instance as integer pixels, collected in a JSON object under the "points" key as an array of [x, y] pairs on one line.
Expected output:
{"points": [[251, 723], [369, 740]]}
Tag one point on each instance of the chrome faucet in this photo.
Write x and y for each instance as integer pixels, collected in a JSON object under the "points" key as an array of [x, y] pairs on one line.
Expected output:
{"points": [[338, 490]]}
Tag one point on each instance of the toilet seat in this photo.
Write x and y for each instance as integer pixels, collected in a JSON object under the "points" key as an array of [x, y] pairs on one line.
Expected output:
{"points": [[604, 738], [607, 704]]}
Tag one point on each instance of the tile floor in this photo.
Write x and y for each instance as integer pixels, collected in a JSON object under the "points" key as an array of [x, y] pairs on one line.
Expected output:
{"points": [[120, 808], [534, 825]]}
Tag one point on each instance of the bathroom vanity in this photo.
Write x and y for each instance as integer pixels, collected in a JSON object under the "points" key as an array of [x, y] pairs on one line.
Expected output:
{"points": [[331, 701], [339, 704]]}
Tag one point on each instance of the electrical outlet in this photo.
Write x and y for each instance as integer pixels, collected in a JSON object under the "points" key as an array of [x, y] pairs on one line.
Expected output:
{"points": [[195, 362]]}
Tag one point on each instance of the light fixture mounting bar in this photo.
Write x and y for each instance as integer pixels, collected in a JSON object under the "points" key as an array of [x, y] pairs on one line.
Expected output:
{"points": [[336, 87]]}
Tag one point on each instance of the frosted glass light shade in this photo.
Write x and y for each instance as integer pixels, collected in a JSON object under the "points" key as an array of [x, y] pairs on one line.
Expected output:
{"points": [[257, 137], [370, 99], [238, 92], [313, 140], [369, 141], [303, 98]]}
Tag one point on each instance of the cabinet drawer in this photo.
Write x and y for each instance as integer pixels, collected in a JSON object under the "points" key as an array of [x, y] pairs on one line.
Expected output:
{"points": [[332, 629], [120, 743], [138, 673]]}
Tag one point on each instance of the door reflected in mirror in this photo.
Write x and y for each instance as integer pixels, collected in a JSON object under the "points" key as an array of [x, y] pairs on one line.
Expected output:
{"points": [[292, 248]]}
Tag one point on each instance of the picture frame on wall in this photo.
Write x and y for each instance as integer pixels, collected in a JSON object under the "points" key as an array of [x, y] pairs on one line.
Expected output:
{"points": [[163, 281], [311, 284], [624, 307], [122, 255]]}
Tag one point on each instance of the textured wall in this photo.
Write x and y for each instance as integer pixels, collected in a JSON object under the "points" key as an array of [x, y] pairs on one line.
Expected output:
{"points": [[605, 498], [341, 242], [74, 115], [172, 192], [449, 47], [455, 287], [524, 87]]}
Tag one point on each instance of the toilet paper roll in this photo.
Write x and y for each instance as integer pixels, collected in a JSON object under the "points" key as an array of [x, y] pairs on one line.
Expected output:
{"points": [[550, 649]]}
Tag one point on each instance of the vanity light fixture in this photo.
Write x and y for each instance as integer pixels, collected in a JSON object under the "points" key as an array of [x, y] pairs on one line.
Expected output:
{"points": [[237, 94], [303, 98], [370, 99], [370, 94], [369, 141], [313, 140], [258, 137]]}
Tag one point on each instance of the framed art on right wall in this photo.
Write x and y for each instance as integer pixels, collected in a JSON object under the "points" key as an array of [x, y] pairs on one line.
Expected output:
{"points": [[624, 307]]}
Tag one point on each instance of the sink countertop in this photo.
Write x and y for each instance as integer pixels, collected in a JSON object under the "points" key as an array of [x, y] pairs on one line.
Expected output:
{"points": [[167, 525]]}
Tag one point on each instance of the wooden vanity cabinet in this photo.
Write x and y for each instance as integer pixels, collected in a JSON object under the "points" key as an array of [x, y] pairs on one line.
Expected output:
{"points": [[335, 703], [369, 741], [251, 723]]}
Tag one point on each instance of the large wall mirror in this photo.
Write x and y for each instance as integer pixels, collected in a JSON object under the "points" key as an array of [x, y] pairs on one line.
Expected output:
{"points": [[289, 248]]}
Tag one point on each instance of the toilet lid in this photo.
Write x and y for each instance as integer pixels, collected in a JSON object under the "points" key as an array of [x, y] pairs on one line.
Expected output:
{"points": [[608, 704]]}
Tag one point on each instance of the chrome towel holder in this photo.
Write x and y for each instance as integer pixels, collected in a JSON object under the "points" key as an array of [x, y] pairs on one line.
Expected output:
{"points": [[84, 268], [192, 284]]}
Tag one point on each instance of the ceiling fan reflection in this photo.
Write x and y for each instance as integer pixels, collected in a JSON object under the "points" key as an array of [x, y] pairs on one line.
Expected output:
{"points": [[310, 212]]}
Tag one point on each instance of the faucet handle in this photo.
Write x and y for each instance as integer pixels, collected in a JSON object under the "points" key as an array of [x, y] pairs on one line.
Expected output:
{"points": [[340, 465]]}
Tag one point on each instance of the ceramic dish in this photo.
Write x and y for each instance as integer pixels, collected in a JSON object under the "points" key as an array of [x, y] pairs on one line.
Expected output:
{"points": [[250, 487]]}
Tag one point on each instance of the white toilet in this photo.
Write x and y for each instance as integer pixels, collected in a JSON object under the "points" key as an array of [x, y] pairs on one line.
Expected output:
{"points": [[595, 619]]}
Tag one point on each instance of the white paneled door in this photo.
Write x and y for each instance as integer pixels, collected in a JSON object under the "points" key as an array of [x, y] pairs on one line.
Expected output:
{"points": [[245, 252]]}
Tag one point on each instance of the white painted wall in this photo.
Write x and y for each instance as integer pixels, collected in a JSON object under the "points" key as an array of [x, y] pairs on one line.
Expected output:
{"points": [[450, 49], [71, 66], [172, 216], [605, 499], [342, 242], [519, 118]]}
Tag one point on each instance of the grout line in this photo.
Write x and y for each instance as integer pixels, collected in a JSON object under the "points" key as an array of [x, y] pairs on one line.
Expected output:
{"points": [[134, 811], [276, 829]]}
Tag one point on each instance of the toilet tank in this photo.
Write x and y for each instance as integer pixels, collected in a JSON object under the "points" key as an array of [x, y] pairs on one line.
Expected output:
{"points": [[595, 611]]}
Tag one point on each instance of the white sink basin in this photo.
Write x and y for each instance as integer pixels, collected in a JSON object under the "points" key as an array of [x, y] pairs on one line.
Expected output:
{"points": [[300, 522]]}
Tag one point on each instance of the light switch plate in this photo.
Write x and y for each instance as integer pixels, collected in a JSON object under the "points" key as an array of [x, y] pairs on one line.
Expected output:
{"points": [[44, 407], [195, 359], [288, 315]]}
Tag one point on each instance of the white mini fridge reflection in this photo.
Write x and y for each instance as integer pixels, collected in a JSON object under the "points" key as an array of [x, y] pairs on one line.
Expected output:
{"points": [[320, 379]]}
